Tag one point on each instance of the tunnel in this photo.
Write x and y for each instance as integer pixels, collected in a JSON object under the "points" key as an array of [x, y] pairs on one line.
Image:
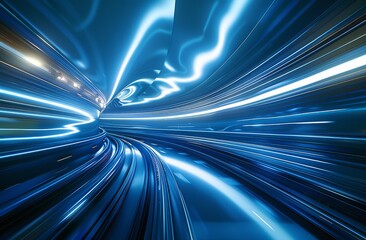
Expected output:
{"points": [[183, 119]]}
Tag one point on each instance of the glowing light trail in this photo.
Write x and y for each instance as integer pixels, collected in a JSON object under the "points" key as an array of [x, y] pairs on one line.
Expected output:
{"points": [[334, 71]]}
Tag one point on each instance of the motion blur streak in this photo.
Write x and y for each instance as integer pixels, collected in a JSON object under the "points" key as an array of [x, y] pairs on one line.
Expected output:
{"points": [[183, 119]]}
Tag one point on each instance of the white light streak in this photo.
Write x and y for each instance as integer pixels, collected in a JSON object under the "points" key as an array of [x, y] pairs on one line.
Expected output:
{"points": [[169, 67], [163, 11], [70, 128], [74, 209], [333, 71], [204, 59], [288, 123]]}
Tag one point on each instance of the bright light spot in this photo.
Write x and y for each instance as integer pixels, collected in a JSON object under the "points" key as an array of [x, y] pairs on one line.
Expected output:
{"points": [[62, 78], [76, 85], [33, 61], [100, 102]]}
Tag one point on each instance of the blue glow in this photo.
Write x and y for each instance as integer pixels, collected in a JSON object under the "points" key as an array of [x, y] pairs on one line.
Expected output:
{"points": [[183, 119]]}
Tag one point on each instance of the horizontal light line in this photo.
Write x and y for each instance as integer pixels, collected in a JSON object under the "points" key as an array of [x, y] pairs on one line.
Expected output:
{"points": [[288, 123]]}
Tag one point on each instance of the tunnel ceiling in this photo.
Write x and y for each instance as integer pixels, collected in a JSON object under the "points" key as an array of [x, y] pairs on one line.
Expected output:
{"points": [[150, 56]]}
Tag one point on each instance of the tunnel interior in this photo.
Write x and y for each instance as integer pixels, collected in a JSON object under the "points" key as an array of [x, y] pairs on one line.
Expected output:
{"points": [[183, 119]]}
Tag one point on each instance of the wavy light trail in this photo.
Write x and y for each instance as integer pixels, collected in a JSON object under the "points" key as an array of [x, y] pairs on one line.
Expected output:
{"points": [[339, 69], [162, 11]]}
